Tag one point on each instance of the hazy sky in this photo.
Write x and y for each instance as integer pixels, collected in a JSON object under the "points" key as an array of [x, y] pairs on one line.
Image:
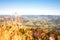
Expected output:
{"points": [[30, 7]]}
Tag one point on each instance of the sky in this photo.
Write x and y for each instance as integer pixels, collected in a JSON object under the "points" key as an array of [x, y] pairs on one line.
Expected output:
{"points": [[30, 7]]}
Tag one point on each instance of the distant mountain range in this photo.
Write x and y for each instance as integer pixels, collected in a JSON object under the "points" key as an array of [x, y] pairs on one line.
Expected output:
{"points": [[36, 20]]}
